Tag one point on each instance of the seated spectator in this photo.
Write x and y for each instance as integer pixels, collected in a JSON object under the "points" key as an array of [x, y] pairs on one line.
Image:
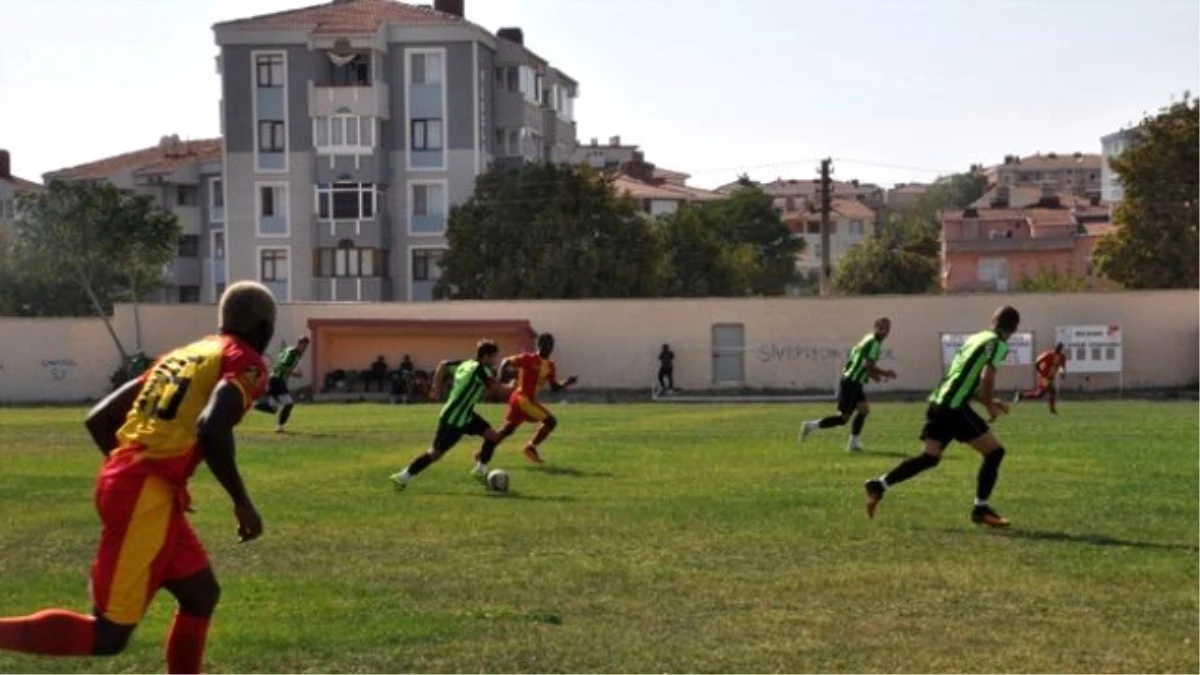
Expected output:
{"points": [[378, 373]]}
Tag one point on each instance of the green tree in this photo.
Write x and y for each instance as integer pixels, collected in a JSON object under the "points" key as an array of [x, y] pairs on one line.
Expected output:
{"points": [[97, 238], [1156, 238], [748, 219], [696, 262], [874, 267], [1050, 280], [547, 231]]}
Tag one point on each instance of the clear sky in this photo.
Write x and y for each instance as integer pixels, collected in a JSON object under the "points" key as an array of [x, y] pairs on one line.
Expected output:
{"points": [[907, 89]]}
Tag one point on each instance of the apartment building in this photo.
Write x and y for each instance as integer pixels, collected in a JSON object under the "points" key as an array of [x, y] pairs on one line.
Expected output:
{"points": [[605, 157], [851, 222], [1075, 173], [995, 244], [185, 178], [10, 186], [1112, 146], [791, 194], [352, 127], [903, 197]]}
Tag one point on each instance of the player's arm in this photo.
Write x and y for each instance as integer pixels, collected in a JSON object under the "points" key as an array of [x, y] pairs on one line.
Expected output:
{"points": [[876, 372], [987, 388], [495, 390], [439, 376], [214, 430], [105, 419], [557, 385]]}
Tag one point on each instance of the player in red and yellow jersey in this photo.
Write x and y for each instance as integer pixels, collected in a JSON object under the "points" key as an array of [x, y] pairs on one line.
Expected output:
{"points": [[1046, 368], [154, 432], [534, 371]]}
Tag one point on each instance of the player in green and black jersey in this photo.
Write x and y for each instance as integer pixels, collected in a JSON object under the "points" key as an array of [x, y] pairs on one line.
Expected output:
{"points": [[860, 367], [279, 397], [949, 417], [472, 380]]}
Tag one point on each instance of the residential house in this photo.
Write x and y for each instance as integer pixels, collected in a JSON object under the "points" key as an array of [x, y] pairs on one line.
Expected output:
{"points": [[993, 247], [1111, 146], [795, 195], [353, 126], [10, 186], [1075, 173], [658, 191], [851, 222], [184, 177], [603, 157], [903, 197]]}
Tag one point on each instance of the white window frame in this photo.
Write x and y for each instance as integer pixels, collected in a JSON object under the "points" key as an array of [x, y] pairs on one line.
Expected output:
{"points": [[408, 264], [360, 188], [362, 123], [409, 53], [439, 74], [287, 209], [254, 54], [412, 202], [216, 186], [258, 266], [212, 245]]}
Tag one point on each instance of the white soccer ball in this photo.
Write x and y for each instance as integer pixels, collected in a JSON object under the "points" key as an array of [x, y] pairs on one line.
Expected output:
{"points": [[497, 479]]}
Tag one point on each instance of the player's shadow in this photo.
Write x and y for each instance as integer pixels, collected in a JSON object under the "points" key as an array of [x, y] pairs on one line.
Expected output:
{"points": [[568, 471], [511, 494], [1088, 538], [884, 453]]}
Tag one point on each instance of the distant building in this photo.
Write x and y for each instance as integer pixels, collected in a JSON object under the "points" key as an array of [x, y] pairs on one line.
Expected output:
{"points": [[10, 186], [1076, 173], [183, 177], [658, 191], [904, 196], [795, 195], [851, 222], [995, 245], [1112, 146], [603, 157]]}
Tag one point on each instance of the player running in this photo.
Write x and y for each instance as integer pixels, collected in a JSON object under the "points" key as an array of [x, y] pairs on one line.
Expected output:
{"points": [[860, 367], [278, 393], [950, 417], [534, 370], [154, 431], [1046, 368], [472, 379]]}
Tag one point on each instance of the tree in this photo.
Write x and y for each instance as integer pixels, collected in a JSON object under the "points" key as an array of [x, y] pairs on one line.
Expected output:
{"points": [[547, 231], [748, 219], [956, 191], [874, 267], [1156, 238], [1050, 280], [695, 262], [101, 240]]}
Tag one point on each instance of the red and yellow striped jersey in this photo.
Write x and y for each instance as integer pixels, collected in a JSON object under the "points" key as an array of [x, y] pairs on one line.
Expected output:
{"points": [[533, 372], [159, 433]]}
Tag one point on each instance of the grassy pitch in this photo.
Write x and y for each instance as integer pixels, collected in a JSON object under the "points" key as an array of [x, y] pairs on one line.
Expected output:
{"points": [[657, 538]]}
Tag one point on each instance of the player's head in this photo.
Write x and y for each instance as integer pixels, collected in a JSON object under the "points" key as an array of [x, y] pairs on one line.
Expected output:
{"points": [[302, 344], [883, 326], [666, 348], [1058, 348], [247, 311], [545, 345], [486, 351], [1005, 321]]}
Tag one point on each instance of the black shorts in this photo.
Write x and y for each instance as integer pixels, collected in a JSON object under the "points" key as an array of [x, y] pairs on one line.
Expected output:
{"points": [[850, 394], [448, 436], [277, 387], [944, 424]]}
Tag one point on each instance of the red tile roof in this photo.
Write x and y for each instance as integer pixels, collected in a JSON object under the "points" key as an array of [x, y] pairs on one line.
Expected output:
{"points": [[22, 184], [153, 159], [1040, 162], [345, 16], [639, 189]]}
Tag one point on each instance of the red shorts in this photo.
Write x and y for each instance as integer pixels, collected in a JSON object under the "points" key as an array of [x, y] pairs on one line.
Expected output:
{"points": [[146, 542], [523, 409]]}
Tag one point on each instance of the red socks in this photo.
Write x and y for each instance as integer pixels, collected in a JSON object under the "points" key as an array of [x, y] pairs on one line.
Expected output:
{"points": [[51, 632], [185, 643]]}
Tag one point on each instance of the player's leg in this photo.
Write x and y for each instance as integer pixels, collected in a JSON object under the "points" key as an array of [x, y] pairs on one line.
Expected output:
{"points": [[856, 425], [536, 412], [197, 596], [989, 472], [935, 436], [491, 439], [445, 438], [845, 405], [285, 412], [1052, 398]]}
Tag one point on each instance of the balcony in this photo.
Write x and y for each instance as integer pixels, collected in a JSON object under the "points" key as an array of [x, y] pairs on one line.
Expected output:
{"points": [[1007, 245], [368, 233], [370, 101], [189, 219]]}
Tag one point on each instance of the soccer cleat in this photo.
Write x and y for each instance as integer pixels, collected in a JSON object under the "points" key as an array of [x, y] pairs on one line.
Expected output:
{"points": [[532, 455], [264, 406], [398, 481], [806, 429], [852, 446], [875, 490], [1016, 397], [480, 474], [984, 515], [280, 430]]}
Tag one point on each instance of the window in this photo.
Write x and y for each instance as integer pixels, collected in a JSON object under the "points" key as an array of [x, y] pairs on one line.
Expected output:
{"points": [[189, 246], [186, 195], [272, 209], [345, 201], [189, 294], [269, 68], [216, 193], [426, 68], [270, 136], [994, 271], [427, 200], [268, 204], [427, 208], [218, 245], [508, 142], [856, 228], [561, 102], [530, 84], [427, 264], [344, 133], [354, 73], [427, 134], [273, 264], [347, 261]]}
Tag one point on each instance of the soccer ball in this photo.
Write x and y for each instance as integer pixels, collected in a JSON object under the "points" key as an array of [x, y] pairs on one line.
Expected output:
{"points": [[497, 479]]}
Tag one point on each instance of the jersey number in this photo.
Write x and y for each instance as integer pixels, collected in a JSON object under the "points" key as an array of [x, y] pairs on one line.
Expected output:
{"points": [[166, 389]]}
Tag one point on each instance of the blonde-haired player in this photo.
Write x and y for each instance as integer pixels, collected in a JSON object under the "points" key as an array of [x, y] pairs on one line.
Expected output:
{"points": [[154, 432]]}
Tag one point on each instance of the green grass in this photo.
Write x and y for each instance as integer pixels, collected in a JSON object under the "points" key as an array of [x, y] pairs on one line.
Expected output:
{"points": [[660, 538]]}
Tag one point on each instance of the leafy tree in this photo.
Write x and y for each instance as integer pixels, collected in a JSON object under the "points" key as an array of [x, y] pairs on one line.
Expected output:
{"points": [[696, 262], [547, 231], [1050, 280], [956, 191], [748, 218], [101, 240], [874, 267], [1156, 240]]}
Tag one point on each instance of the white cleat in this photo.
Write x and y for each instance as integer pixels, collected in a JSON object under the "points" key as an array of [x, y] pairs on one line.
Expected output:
{"points": [[398, 481], [806, 429], [854, 447], [1016, 397]]}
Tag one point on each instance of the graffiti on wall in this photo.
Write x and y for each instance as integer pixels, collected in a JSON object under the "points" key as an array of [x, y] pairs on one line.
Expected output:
{"points": [[59, 369], [814, 353]]}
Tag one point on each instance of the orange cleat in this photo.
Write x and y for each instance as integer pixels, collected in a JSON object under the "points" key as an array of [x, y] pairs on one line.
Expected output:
{"points": [[532, 455]]}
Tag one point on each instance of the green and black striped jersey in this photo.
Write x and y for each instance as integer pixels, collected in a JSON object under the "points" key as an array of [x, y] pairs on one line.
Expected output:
{"points": [[470, 383], [966, 371]]}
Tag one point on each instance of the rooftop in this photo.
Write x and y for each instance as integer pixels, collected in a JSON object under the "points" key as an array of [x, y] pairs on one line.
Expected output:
{"points": [[640, 189], [344, 16], [161, 158]]}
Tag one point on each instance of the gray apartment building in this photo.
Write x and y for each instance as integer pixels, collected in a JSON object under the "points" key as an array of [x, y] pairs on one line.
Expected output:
{"points": [[351, 128], [1113, 145]]}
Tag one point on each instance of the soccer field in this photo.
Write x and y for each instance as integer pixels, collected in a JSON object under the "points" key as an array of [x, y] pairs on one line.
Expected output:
{"points": [[657, 538]]}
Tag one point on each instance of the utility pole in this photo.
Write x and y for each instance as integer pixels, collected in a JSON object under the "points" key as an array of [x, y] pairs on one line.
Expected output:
{"points": [[826, 208]]}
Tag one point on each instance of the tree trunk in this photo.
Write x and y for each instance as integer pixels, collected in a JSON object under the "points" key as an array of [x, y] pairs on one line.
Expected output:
{"points": [[87, 287]]}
